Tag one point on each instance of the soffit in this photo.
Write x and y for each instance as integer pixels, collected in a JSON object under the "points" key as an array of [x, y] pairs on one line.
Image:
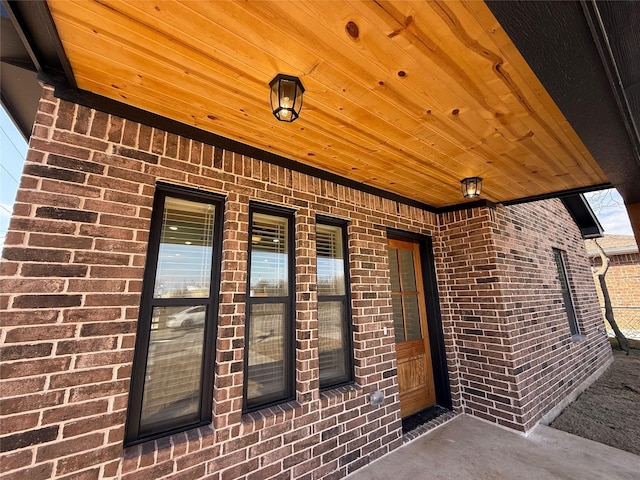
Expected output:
{"points": [[424, 94]]}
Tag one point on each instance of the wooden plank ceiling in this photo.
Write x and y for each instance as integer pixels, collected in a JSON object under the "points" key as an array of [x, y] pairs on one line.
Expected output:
{"points": [[406, 96]]}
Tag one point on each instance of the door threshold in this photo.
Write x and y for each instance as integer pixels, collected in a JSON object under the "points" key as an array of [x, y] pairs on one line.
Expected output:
{"points": [[420, 418]]}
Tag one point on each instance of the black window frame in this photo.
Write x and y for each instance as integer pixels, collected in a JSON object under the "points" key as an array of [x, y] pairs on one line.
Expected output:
{"points": [[289, 359], [345, 299], [148, 302], [563, 278]]}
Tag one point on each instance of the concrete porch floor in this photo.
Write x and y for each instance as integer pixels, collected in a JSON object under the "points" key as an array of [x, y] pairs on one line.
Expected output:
{"points": [[468, 448]]}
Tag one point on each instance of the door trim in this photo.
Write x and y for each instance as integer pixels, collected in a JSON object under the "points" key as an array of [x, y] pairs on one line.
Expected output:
{"points": [[434, 318]]}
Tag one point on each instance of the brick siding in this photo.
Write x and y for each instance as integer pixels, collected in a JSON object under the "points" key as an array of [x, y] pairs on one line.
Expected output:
{"points": [[72, 272]]}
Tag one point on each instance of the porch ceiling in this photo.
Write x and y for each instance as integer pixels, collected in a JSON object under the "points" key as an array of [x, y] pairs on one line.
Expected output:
{"points": [[409, 97]]}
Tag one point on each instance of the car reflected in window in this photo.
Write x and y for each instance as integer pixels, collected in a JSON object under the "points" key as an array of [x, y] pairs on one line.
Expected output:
{"points": [[188, 318]]}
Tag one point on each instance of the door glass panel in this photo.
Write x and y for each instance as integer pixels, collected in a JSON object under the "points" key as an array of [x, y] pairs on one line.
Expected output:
{"points": [[393, 267], [407, 270], [184, 257], [398, 323], [412, 317], [174, 365]]}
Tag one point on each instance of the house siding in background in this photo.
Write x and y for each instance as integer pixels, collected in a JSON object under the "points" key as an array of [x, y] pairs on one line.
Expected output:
{"points": [[623, 279], [72, 279]]}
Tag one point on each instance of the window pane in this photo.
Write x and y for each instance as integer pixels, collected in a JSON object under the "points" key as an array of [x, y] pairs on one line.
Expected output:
{"points": [[407, 271], [566, 292], [266, 360], [174, 366], [560, 268], [412, 317], [184, 258], [269, 255], [333, 351], [398, 315], [393, 268], [330, 260]]}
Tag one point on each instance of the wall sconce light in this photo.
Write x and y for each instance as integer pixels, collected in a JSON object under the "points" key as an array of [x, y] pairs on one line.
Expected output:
{"points": [[286, 97], [471, 187]]}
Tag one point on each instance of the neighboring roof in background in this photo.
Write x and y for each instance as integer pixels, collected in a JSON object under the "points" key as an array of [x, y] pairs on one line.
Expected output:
{"points": [[613, 245]]}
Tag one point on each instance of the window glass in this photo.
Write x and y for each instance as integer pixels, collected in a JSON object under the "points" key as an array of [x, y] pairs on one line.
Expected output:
{"points": [[184, 257], [566, 292], [269, 255], [172, 378], [266, 376], [330, 260], [331, 332], [398, 318], [269, 330], [394, 269], [174, 365], [408, 271], [334, 322], [412, 317]]}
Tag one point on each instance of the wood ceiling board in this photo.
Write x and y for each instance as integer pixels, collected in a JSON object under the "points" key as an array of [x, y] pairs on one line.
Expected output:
{"points": [[535, 89], [346, 169], [162, 71], [227, 127], [349, 118]]}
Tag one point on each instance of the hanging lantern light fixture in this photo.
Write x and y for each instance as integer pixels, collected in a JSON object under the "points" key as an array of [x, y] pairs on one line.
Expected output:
{"points": [[286, 97], [471, 187]]}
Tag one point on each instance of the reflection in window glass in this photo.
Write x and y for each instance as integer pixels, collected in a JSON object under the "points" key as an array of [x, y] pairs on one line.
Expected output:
{"points": [[172, 377], [269, 333], [334, 330], [566, 292], [184, 257], [331, 332], [269, 255], [266, 360], [174, 367], [330, 260]]}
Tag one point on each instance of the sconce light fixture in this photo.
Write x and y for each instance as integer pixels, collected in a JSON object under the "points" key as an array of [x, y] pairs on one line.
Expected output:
{"points": [[286, 97], [471, 187]]}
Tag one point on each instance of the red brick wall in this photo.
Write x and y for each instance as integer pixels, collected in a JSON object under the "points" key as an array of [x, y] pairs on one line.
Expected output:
{"points": [[72, 274], [516, 356], [549, 363]]}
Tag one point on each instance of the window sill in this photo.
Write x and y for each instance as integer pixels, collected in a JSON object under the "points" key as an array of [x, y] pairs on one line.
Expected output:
{"points": [[285, 410], [339, 394], [578, 338], [200, 430]]}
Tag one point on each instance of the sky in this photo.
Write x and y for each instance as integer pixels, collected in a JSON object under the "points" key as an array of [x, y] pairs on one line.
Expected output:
{"points": [[607, 204], [609, 208], [13, 149]]}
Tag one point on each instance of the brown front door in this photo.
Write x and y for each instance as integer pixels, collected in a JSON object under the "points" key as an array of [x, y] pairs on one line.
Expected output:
{"points": [[415, 372]]}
